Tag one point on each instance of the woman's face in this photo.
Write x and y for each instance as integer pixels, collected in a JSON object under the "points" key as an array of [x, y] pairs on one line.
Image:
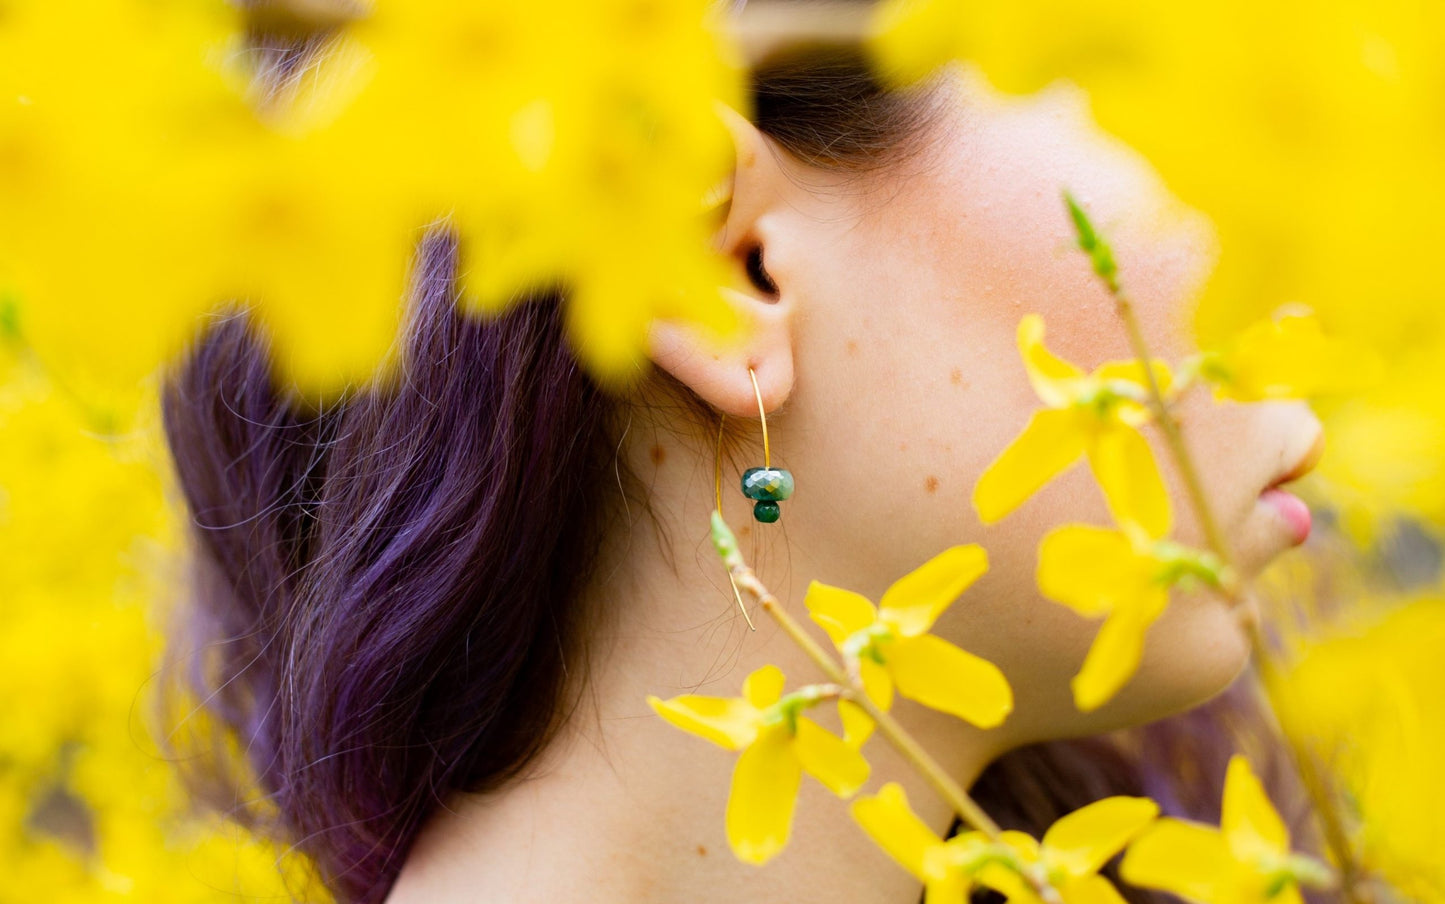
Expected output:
{"points": [[908, 290]]}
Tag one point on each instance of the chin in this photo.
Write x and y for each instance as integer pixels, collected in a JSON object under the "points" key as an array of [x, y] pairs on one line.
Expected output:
{"points": [[1193, 653]]}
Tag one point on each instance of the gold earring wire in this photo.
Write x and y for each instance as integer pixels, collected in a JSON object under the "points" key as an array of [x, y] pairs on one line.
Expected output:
{"points": [[717, 492], [762, 416]]}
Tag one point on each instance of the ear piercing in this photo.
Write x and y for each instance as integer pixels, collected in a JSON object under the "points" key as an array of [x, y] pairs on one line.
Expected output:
{"points": [[767, 485]]}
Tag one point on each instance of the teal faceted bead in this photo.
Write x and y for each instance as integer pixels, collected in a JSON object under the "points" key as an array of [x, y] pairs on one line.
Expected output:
{"points": [[767, 484], [766, 512]]}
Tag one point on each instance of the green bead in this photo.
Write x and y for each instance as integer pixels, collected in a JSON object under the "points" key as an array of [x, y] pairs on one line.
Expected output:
{"points": [[766, 512], [767, 484]]}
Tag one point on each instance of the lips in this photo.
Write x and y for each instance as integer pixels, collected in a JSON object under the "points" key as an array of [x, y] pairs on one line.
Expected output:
{"points": [[1293, 511]]}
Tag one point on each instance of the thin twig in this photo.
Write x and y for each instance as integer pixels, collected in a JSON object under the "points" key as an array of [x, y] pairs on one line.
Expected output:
{"points": [[1336, 838]]}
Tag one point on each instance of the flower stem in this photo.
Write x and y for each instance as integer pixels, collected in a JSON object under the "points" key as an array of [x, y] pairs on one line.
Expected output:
{"points": [[951, 791], [1336, 838], [1174, 438]]}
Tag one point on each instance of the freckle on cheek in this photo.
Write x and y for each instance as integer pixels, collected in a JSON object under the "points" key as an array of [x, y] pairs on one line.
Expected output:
{"points": [[955, 377], [931, 484], [701, 851], [852, 347], [658, 454]]}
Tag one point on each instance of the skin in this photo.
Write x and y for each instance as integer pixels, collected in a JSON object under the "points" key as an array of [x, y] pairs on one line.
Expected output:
{"points": [[887, 363]]}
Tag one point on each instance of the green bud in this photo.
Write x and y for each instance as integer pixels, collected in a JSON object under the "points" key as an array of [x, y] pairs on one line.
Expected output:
{"points": [[1093, 244], [723, 540]]}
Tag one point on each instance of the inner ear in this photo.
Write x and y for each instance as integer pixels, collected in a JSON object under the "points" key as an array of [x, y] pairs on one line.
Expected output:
{"points": [[758, 274]]}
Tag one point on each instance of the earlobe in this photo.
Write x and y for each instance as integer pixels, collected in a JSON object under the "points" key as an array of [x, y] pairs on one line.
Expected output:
{"points": [[716, 369]]}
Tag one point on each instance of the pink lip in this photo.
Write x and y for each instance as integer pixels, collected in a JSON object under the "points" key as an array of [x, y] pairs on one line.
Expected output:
{"points": [[1292, 509]]}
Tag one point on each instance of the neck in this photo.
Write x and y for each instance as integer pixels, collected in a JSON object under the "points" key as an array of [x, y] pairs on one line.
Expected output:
{"points": [[624, 807]]}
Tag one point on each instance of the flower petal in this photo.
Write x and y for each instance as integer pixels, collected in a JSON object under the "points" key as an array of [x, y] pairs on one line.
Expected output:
{"points": [[1124, 466], [1093, 889], [763, 797], [1115, 655], [878, 685], [895, 828], [1053, 440], [939, 675], [1009, 882], [837, 611], [916, 600], [857, 725], [829, 759], [1185, 858], [1089, 569], [1049, 375], [950, 888], [764, 686], [1083, 841], [1250, 822], [728, 722], [1133, 372]]}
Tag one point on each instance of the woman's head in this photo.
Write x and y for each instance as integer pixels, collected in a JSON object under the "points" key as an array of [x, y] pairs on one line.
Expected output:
{"points": [[887, 305], [403, 595]]}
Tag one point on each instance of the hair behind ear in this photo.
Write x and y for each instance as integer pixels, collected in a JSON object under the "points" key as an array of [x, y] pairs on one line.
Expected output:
{"points": [[384, 587]]}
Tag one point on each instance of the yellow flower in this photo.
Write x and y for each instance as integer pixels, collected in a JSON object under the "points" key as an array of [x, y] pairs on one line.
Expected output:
{"points": [[892, 647], [1125, 576], [1068, 859], [1073, 851], [943, 866], [778, 745], [1288, 357], [1247, 860], [1094, 415]]}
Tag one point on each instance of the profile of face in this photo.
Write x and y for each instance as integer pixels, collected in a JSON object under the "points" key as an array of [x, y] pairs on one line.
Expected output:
{"points": [[884, 343]]}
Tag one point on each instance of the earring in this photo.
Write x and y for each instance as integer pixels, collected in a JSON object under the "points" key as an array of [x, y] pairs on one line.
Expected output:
{"points": [[766, 485]]}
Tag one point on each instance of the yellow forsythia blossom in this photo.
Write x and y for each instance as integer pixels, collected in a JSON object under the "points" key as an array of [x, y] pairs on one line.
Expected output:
{"points": [[1123, 575], [568, 142], [892, 647], [778, 745], [1365, 702], [1288, 357], [1245, 861], [1095, 415], [1068, 858], [90, 809]]}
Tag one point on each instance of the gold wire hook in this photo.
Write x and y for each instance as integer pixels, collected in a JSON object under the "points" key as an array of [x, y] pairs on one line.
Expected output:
{"points": [[717, 494], [762, 416]]}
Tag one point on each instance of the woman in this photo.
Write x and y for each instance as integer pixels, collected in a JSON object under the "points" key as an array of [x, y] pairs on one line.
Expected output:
{"points": [[431, 613]]}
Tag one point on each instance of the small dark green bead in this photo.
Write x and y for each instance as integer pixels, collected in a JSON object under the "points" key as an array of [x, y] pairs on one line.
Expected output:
{"points": [[767, 484], [766, 512]]}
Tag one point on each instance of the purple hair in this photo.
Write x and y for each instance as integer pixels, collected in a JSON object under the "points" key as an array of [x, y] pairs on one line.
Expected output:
{"points": [[384, 601]]}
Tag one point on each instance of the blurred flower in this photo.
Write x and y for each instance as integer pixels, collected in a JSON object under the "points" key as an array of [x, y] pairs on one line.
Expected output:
{"points": [[892, 647], [778, 745], [1095, 415], [1245, 861], [1363, 701], [1288, 357]]}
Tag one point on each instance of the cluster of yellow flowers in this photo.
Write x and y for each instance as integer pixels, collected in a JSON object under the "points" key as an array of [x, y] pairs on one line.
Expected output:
{"points": [[1124, 574], [140, 187]]}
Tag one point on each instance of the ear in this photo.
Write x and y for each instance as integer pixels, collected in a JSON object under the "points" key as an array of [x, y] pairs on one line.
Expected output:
{"points": [[717, 369]]}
